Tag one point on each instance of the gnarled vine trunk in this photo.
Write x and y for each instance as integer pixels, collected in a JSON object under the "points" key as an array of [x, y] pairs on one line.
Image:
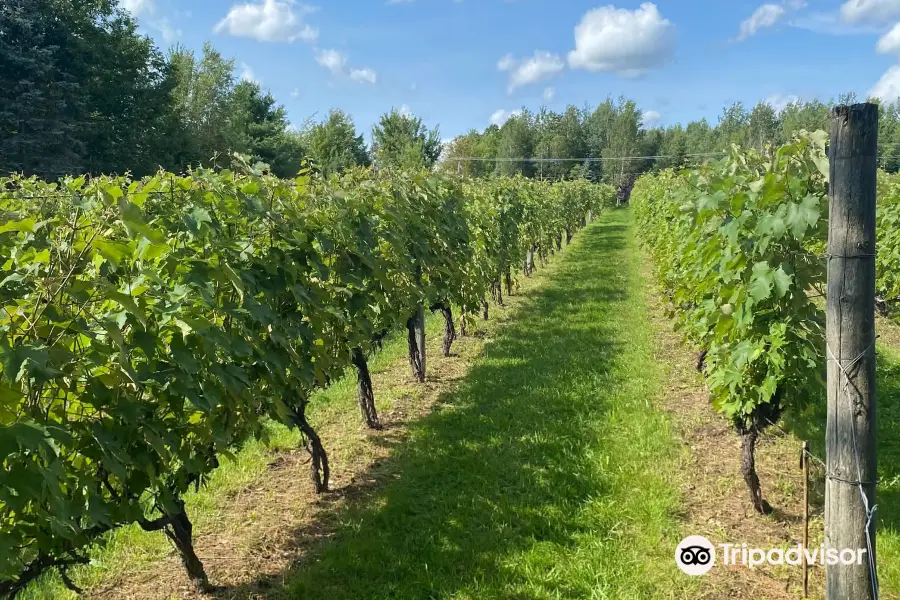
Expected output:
{"points": [[449, 330], [559, 242], [484, 308], [318, 464], [749, 438], [508, 282], [568, 236], [179, 529], [415, 327], [749, 429], [462, 325], [497, 292], [366, 395]]}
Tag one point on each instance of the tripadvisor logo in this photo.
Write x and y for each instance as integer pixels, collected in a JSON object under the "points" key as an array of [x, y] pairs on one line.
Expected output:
{"points": [[696, 555]]}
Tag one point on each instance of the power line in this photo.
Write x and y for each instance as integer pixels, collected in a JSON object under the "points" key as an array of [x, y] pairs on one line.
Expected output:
{"points": [[585, 159]]}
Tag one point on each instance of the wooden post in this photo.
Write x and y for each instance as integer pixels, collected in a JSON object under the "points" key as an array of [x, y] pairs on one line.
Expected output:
{"points": [[850, 432]]}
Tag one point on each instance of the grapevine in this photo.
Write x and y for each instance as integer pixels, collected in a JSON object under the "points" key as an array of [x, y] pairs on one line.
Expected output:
{"points": [[738, 248], [148, 328]]}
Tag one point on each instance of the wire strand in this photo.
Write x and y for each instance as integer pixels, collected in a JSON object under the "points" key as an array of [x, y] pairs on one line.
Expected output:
{"points": [[583, 159], [870, 511]]}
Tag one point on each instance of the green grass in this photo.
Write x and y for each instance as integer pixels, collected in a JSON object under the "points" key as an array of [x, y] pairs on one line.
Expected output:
{"points": [[888, 493], [543, 474], [132, 549]]}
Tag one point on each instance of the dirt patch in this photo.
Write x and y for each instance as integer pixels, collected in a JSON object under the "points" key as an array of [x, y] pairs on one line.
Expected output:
{"points": [[716, 501]]}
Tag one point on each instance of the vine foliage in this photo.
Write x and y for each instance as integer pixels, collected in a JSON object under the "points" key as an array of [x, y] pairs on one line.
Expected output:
{"points": [[739, 249], [149, 328]]}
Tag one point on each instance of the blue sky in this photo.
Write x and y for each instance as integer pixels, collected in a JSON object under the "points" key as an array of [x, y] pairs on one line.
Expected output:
{"points": [[459, 63]]}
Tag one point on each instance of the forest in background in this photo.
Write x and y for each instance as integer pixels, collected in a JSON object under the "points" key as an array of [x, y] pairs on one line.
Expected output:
{"points": [[81, 91]]}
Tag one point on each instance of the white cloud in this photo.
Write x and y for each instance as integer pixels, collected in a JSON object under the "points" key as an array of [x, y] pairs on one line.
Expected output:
{"points": [[889, 43], [363, 75], [506, 63], [501, 116], [870, 11], [765, 16], [247, 74], [151, 20], [336, 62], [651, 116], [295, 93], [136, 7], [166, 30], [332, 60], [539, 67], [780, 101], [268, 21], [404, 110], [888, 87], [549, 94], [830, 23], [627, 42]]}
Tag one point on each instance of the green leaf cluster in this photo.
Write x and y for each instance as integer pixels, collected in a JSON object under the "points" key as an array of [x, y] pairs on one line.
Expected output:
{"points": [[739, 250], [149, 327]]}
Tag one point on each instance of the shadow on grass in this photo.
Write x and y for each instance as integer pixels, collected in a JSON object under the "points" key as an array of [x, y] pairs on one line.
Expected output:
{"points": [[501, 468], [812, 429]]}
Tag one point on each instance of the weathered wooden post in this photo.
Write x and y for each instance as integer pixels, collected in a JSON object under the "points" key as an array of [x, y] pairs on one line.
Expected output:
{"points": [[850, 335]]}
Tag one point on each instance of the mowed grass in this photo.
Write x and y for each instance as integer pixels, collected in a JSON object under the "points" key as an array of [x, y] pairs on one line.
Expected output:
{"points": [[544, 474], [130, 549]]}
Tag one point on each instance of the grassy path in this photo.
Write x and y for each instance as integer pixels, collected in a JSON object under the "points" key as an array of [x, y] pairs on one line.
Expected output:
{"points": [[561, 453], [545, 470], [542, 475]]}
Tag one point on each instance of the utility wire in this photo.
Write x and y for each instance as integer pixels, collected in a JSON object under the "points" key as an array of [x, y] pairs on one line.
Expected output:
{"points": [[585, 159]]}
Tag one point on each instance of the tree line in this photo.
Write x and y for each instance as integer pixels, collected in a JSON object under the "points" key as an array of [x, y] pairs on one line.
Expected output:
{"points": [[81, 91], [540, 144]]}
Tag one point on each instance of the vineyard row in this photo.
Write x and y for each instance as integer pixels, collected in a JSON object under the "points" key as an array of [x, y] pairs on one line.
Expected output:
{"points": [[739, 246], [148, 328]]}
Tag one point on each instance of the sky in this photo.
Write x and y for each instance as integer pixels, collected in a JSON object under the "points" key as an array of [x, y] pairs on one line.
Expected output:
{"points": [[463, 64]]}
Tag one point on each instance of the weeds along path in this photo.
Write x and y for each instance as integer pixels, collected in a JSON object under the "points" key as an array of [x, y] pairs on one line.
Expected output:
{"points": [[533, 464]]}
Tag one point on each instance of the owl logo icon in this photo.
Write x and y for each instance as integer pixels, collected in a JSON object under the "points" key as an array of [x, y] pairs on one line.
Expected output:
{"points": [[695, 555]]}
